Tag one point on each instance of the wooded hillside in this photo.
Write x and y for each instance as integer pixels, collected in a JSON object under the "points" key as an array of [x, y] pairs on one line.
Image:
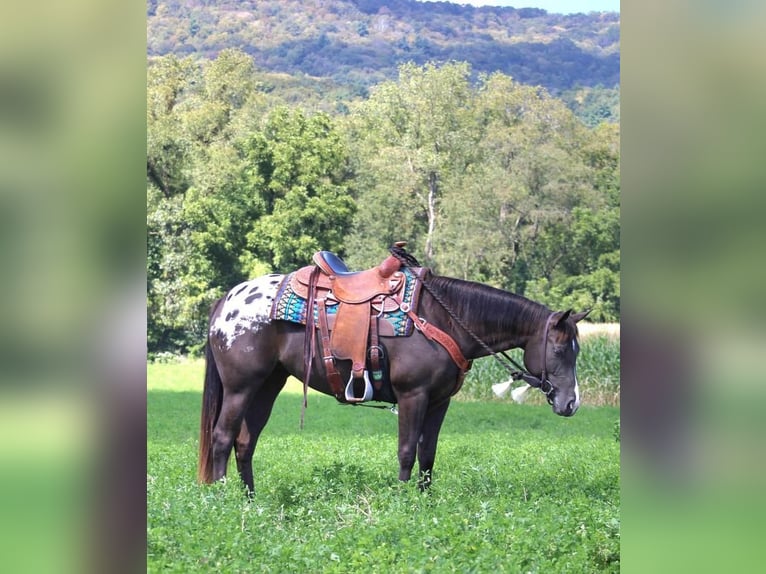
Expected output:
{"points": [[359, 43]]}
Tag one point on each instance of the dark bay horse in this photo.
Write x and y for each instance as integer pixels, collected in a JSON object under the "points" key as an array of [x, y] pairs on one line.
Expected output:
{"points": [[249, 357]]}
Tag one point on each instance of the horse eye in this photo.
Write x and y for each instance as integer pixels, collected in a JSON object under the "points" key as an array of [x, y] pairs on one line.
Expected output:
{"points": [[561, 350]]}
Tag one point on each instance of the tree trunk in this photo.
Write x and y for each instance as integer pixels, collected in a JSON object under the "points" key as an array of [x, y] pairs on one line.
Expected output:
{"points": [[429, 251]]}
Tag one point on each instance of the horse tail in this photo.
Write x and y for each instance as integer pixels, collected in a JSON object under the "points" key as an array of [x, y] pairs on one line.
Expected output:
{"points": [[212, 397]]}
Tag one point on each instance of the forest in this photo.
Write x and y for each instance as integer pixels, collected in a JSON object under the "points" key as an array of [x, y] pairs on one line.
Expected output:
{"points": [[486, 178], [352, 45]]}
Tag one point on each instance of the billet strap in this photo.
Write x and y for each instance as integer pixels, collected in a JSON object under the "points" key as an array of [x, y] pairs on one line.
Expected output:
{"points": [[374, 353], [333, 376]]}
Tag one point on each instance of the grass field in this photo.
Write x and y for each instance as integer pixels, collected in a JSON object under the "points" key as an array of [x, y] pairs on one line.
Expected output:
{"points": [[516, 489]]}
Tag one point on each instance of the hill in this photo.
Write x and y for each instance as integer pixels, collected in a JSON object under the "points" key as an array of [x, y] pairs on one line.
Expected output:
{"points": [[357, 43]]}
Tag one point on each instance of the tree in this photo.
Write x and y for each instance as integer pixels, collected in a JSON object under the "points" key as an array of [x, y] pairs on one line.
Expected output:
{"points": [[589, 245], [414, 138], [167, 151], [308, 202], [200, 199], [496, 182]]}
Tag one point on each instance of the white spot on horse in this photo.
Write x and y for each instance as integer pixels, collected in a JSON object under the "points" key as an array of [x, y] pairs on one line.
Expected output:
{"points": [[246, 309], [576, 391], [577, 394], [576, 385]]}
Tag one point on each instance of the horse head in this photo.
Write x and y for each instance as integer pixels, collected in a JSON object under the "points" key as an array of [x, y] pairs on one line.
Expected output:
{"points": [[551, 359]]}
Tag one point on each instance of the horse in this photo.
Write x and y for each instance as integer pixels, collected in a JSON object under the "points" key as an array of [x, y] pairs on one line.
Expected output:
{"points": [[250, 355]]}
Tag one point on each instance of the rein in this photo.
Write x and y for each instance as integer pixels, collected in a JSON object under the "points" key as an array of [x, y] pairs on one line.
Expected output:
{"points": [[540, 382], [309, 342]]}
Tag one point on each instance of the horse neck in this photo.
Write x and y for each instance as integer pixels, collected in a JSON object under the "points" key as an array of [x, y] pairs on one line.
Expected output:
{"points": [[502, 320]]}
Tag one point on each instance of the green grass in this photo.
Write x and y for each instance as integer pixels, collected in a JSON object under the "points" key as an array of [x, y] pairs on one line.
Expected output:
{"points": [[516, 489]]}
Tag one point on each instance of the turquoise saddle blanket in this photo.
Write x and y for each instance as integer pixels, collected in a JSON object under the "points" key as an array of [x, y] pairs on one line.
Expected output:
{"points": [[289, 306]]}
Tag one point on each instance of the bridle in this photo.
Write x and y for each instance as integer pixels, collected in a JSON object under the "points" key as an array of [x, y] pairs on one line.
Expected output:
{"points": [[542, 381]]}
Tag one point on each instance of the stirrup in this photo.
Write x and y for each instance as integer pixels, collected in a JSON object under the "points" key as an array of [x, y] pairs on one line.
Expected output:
{"points": [[349, 394]]}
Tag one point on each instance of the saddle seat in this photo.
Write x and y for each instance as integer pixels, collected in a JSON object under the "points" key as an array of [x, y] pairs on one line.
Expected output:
{"points": [[361, 296], [360, 286], [331, 263], [352, 287]]}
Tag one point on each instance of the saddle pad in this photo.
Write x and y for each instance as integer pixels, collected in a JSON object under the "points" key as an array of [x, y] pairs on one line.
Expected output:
{"points": [[289, 306]]}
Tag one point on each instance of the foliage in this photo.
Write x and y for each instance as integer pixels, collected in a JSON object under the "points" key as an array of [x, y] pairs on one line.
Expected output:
{"points": [[223, 192], [517, 489], [594, 105], [587, 243], [308, 204], [497, 182], [491, 181], [361, 43]]}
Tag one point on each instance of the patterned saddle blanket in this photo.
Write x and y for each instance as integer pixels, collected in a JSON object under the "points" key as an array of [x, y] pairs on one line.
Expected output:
{"points": [[289, 306]]}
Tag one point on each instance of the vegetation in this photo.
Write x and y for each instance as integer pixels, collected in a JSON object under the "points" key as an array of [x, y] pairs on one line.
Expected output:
{"points": [[485, 137], [594, 105], [490, 180], [356, 44], [517, 489]]}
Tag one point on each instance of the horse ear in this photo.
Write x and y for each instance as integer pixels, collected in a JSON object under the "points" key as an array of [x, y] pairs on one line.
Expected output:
{"points": [[563, 318], [580, 316]]}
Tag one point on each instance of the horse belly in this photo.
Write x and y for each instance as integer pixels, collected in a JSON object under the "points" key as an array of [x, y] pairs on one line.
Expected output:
{"points": [[419, 365]]}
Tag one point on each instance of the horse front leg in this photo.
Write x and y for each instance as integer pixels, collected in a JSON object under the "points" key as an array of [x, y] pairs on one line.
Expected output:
{"points": [[412, 411], [427, 443]]}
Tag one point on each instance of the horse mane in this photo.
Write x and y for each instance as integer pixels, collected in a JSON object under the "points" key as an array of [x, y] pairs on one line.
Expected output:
{"points": [[486, 308]]}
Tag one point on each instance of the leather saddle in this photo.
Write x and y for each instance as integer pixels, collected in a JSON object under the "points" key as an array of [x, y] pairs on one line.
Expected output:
{"points": [[361, 297]]}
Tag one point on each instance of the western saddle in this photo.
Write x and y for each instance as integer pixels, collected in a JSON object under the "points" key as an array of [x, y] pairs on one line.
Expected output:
{"points": [[361, 298]]}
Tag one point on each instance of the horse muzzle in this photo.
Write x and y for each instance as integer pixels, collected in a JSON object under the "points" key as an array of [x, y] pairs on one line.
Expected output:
{"points": [[565, 408]]}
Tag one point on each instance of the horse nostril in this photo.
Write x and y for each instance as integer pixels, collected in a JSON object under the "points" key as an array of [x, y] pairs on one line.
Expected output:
{"points": [[570, 407]]}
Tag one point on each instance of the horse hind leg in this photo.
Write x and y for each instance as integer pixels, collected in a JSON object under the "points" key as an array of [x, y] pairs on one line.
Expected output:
{"points": [[243, 450], [253, 424], [227, 427]]}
